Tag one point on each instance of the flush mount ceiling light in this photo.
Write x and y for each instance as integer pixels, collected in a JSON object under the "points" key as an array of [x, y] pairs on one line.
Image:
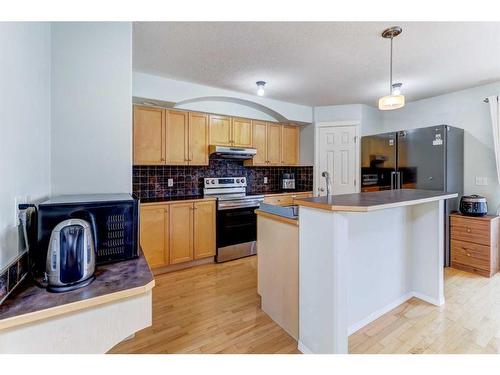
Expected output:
{"points": [[394, 100], [260, 87]]}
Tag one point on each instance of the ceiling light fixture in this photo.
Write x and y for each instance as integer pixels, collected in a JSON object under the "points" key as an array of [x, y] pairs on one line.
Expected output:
{"points": [[394, 100], [260, 87]]}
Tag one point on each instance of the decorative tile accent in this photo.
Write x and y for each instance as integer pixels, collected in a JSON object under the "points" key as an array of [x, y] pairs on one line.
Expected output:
{"points": [[152, 181]]}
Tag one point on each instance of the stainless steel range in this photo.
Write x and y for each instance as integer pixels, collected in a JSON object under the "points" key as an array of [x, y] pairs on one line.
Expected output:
{"points": [[236, 219]]}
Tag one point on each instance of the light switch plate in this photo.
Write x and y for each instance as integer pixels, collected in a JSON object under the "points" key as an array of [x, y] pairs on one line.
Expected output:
{"points": [[481, 181], [265, 180], [170, 182]]}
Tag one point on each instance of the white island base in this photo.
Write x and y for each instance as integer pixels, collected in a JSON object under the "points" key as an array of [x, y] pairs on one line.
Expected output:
{"points": [[357, 263]]}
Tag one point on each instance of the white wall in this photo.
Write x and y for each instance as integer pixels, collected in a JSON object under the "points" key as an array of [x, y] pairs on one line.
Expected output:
{"points": [[91, 107], [160, 88], [24, 122], [464, 109], [369, 117]]}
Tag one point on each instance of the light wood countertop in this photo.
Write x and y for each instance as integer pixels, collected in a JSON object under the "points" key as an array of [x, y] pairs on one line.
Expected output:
{"points": [[371, 201]]}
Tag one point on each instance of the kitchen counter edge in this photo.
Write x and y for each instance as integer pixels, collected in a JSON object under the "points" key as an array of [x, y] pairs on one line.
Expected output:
{"points": [[372, 201], [81, 300]]}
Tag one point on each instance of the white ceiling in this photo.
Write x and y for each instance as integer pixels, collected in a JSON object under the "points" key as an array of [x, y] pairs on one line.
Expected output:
{"points": [[321, 63]]}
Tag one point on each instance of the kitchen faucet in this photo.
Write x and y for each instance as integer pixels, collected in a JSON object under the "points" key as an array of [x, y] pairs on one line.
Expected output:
{"points": [[326, 175]]}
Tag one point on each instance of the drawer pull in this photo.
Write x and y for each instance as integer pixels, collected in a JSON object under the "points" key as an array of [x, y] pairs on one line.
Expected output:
{"points": [[468, 230], [468, 254]]}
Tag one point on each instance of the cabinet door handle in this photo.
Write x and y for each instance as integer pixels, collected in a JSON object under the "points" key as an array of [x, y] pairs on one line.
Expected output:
{"points": [[468, 230], [468, 254]]}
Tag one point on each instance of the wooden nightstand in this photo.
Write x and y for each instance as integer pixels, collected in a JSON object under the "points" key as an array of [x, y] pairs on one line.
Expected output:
{"points": [[474, 243]]}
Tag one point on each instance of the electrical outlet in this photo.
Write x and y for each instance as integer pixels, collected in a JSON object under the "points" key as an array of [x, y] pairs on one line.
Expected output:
{"points": [[481, 181], [265, 180], [170, 182]]}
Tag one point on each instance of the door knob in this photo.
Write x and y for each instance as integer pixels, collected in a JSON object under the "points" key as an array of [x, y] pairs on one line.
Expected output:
{"points": [[321, 189]]}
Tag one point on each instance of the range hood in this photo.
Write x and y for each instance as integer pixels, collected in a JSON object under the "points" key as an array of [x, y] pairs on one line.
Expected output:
{"points": [[229, 152]]}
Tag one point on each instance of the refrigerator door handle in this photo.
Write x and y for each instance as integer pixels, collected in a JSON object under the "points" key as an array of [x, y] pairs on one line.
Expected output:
{"points": [[399, 180]]}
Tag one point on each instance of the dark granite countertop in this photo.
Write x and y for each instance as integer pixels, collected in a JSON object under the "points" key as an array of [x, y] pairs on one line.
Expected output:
{"points": [[119, 279], [288, 191], [200, 197], [378, 200], [172, 199]]}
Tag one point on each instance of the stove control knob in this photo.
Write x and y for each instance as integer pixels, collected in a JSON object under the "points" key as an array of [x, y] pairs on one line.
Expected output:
{"points": [[238, 181], [212, 181], [207, 182]]}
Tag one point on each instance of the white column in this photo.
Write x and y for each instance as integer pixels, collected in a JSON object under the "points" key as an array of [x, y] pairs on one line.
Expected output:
{"points": [[427, 257], [322, 281]]}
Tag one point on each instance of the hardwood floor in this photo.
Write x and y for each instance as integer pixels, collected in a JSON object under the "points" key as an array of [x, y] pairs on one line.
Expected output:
{"points": [[214, 308], [469, 321]]}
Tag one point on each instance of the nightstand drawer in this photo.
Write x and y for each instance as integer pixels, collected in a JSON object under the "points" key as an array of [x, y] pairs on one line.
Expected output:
{"points": [[470, 254], [475, 231]]}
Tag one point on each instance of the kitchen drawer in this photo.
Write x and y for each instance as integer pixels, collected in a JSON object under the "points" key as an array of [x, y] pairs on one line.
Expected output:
{"points": [[465, 229], [285, 199], [470, 254], [280, 200]]}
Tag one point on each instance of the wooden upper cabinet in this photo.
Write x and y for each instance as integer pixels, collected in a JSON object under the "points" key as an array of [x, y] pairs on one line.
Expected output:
{"points": [[220, 130], [259, 140], [204, 230], [177, 138], [154, 234], [290, 145], [181, 232], [273, 144], [242, 132], [149, 136], [198, 138]]}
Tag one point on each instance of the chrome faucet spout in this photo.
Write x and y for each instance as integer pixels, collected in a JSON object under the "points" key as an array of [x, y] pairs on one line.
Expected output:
{"points": [[328, 182]]}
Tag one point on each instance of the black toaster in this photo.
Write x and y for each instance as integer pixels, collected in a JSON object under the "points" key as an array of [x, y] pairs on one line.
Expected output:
{"points": [[473, 205]]}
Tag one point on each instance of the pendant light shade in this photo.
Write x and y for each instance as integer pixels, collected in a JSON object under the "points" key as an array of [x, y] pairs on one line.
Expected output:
{"points": [[395, 99], [386, 103]]}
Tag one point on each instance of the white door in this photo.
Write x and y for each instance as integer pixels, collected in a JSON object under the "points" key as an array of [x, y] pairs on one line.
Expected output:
{"points": [[337, 155]]}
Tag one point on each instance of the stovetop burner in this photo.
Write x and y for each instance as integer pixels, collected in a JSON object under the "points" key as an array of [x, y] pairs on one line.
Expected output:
{"points": [[230, 192]]}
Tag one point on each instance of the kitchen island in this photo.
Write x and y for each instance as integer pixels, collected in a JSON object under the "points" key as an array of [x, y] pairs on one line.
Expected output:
{"points": [[361, 255]]}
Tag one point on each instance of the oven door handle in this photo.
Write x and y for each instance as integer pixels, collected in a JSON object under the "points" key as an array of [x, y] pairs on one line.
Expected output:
{"points": [[228, 205]]}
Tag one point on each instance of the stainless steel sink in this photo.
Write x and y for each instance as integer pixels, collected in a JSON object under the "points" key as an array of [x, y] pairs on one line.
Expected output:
{"points": [[291, 211]]}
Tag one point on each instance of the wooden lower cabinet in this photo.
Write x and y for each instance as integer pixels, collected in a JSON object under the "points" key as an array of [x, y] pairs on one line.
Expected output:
{"points": [[204, 230], [154, 234], [286, 199], [173, 233], [181, 232]]}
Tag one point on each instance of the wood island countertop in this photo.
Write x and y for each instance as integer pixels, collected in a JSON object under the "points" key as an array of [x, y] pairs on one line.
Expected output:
{"points": [[113, 282], [371, 201]]}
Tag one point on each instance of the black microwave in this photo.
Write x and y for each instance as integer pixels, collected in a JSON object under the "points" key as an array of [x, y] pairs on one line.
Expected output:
{"points": [[114, 219]]}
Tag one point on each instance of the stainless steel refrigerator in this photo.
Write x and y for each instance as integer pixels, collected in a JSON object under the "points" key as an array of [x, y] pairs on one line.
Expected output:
{"points": [[428, 158]]}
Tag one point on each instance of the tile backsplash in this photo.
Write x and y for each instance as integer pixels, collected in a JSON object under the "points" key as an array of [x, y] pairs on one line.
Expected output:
{"points": [[152, 181]]}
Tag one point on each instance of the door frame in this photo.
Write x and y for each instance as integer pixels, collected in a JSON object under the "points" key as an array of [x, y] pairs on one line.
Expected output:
{"points": [[330, 124]]}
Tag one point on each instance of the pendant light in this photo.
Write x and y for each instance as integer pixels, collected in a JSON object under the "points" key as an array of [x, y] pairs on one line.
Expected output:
{"points": [[260, 87], [394, 100]]}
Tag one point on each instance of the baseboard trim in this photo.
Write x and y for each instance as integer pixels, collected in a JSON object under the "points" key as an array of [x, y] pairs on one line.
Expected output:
{"points": [[181, 266], [303, 349], [377, 314], [428, 299]]}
